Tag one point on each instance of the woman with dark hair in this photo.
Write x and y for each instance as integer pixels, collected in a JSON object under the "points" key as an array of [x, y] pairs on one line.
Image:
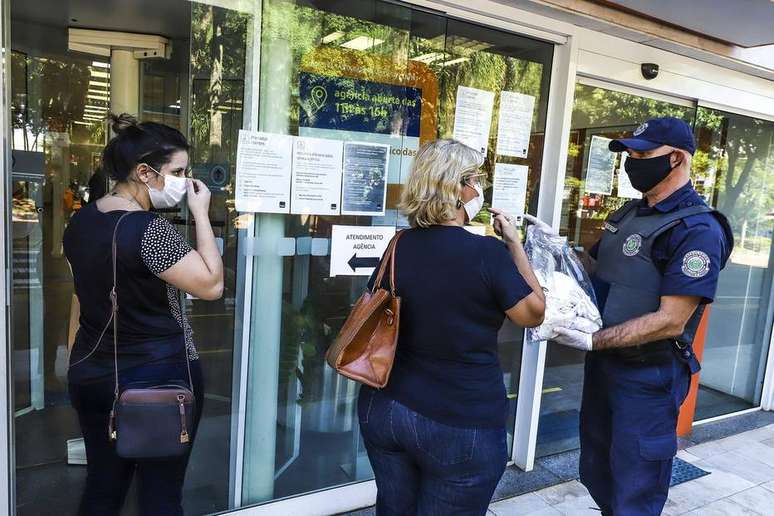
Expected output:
{"points": [[148, 162]]}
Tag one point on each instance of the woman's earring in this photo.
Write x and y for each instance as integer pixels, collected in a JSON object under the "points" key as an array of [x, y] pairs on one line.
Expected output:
{"points": [[460, 204]]}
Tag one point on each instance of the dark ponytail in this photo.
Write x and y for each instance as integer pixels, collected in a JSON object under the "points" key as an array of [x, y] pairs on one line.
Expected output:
{"points": [[135, 142]]}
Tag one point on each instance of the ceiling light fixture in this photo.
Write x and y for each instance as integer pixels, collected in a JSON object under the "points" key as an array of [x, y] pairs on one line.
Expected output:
{"points": [[454, 61], [362, 43], [333, 36], [428, 58]]}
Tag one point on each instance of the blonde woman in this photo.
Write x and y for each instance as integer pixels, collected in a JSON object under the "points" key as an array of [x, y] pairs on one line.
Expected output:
{"points": [[435, 434]]}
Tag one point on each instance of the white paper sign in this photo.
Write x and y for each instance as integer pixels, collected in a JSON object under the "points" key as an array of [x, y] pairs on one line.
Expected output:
{"points": [[316, 185], [264, 163], [356, 250], [509, 192], [364, 189], [473, 117], [515, 124], [600, 167], [625, 188]]}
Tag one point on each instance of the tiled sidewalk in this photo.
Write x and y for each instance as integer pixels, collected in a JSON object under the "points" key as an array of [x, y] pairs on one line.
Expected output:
{"points": [[741, 483]]}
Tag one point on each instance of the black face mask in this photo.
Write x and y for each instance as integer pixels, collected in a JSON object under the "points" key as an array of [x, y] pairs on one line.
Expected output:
{"points": [[645, 174]]}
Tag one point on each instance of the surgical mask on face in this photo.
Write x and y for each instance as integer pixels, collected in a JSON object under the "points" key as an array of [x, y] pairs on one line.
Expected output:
{"points": [[473, 206], [645, 174], [173, 192]]}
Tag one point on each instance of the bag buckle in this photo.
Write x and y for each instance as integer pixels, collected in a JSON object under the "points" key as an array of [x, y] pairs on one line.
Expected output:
{"points": [[184, 438], [112, 427], [390, 316]]}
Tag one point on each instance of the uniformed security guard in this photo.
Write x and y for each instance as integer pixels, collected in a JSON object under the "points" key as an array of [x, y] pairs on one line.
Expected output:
{"points": [[656, 267]]}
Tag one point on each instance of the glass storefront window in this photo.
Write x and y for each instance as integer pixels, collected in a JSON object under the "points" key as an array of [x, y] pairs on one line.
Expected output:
{"points": [[735, 155], [731, 170], [283, 423], [597, 113], [298, 307]]}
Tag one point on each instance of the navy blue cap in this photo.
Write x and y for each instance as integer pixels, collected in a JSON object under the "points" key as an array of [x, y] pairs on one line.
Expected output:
{"points": [[655, 133]]}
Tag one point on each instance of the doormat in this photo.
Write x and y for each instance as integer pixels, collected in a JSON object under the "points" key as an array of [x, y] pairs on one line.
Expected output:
{"points": [[684, 471]]}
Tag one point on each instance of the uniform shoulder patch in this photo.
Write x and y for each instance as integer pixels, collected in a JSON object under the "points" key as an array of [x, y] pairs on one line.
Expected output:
{"points": [[696, 264]]}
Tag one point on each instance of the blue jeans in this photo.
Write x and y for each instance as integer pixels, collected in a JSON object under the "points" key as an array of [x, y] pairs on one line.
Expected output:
{"points": [[160, 481], [423, 467], [628, 432]]}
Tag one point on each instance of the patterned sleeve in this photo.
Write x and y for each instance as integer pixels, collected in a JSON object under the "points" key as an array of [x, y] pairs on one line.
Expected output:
{"points": [[162, 246]]}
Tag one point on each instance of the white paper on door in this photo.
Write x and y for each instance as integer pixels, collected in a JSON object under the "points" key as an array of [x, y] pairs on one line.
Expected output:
{"points": [[356, 250], [263, 170], [514, 124], [625, 188], [600, 167], [316, 184], [364, 188], [509, 192], [473, 117]]}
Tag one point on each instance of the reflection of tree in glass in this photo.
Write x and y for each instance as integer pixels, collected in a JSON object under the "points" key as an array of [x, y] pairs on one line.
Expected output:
{"points": [[740, 148], [218, 42], [47, 95]]}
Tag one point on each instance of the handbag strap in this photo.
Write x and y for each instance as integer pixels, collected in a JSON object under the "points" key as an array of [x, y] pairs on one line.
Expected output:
{"points": [[114, 313], [389, 257]]}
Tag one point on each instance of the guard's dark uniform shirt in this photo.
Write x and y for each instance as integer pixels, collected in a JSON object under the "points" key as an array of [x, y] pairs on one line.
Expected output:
{"points": [[701, 232]]}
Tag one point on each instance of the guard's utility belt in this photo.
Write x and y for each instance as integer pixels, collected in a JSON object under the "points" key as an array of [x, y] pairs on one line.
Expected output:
{"points": [[653, 353]]}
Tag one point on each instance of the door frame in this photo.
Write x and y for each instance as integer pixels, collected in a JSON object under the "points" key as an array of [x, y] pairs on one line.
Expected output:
{"points": [[361, 494], [7, 491]]}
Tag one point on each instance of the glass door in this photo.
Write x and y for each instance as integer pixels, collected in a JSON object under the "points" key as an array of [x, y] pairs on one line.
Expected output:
{"points": [[379, 73], [734, 157], [731, 169], [60, 96], [599, 113]]}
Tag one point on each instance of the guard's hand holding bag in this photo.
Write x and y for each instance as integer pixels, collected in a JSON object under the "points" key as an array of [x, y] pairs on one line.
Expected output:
{"points": [[364, 350]]}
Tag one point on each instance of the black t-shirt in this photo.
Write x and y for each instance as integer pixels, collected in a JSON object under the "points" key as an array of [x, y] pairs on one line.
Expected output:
{"points": [[455, 287], [151, 325]]}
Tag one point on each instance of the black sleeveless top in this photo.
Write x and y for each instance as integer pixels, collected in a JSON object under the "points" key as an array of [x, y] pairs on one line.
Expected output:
{"points": [[152, 327]]}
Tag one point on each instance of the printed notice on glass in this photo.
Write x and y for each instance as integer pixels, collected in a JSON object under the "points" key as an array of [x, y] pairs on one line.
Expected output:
{"points": [[263, 169], [600, 167], [364, 189], [356, 250], [515, 124], [316, 185], [509, 192], [625, 188], [473, 117]]}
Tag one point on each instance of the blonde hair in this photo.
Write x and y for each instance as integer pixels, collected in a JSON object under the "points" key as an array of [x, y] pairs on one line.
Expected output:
{"points": [[434, 185]]}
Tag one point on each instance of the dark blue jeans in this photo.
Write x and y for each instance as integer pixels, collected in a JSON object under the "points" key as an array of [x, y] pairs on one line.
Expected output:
{"points": [[160, 481], [628, 432], [423, 467]]}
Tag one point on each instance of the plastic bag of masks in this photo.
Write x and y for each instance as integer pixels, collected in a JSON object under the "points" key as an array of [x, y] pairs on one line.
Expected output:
{"points": [[567, 287]]}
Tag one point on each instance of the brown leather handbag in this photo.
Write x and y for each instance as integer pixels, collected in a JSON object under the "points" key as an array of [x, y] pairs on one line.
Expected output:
{"points": [[364, 350]]}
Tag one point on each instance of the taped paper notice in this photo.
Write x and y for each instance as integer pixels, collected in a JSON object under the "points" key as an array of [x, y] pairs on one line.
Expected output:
{"points": [[473, 117], [356, 250], [263, 168]]}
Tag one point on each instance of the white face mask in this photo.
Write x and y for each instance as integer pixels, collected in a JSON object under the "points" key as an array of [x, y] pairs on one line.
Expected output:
{"points": [[473, 206], [173, 192]]}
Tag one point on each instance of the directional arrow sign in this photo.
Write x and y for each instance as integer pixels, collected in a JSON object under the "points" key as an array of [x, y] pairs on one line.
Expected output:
{"points": [[358, 261], [355, 250]]}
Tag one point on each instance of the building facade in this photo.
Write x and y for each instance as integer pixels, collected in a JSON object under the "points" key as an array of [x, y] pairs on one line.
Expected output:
{"points": [[280, 432]]}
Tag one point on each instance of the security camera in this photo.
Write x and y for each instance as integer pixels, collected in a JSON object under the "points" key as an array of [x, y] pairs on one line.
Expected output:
{"points": [[649, 70]]}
